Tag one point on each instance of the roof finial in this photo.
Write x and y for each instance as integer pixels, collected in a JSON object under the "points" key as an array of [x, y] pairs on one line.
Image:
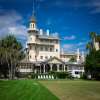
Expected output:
{"points": [[33, 11]]}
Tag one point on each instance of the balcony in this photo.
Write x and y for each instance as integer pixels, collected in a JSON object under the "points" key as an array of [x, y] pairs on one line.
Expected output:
{"points": [[45, 43], [31, 42], [40, 43]]}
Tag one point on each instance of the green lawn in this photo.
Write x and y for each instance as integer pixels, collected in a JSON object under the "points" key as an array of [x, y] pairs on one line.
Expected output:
{"points": [[49, 90], [74, 90], [24, 90]]}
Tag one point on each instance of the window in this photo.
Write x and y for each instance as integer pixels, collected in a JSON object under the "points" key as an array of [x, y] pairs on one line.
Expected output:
{"points": [[50, 56], [46, 57], [56, 50], [41, 40], [60, 67], [41, 57], [41, 48], [50, 41], [46, 49], [60, 56], [50, 49], [76, 72], [30, 38], [30, 56], [32, 25], [70, 68], [30, 47], [56, 42]]}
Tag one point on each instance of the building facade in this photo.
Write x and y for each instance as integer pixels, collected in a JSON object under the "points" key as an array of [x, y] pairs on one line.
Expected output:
{"points": [[44, 55], [41, 45]]}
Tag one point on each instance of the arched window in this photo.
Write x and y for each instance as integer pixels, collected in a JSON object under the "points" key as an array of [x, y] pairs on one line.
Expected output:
{"points": [[32, 25]]}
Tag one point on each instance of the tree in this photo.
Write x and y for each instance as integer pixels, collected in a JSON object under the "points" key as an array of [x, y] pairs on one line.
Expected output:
{"points": [[92, 64], [11, 52], [92, 35], [90, 44], [72, 59]]}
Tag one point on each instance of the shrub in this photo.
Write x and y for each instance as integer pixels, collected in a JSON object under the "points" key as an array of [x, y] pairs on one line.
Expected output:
{"points": [[34, 76], [83, 76], [69, 75], [63, 75]]}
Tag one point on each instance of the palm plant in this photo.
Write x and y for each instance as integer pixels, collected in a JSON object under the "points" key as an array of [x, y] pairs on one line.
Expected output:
{"points": [[90, 45]]}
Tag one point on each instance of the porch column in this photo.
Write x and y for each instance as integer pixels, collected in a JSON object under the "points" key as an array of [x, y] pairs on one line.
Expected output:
{"points": [[57, 67], [64, 68], [51, 67], [40, 69], [44, 68]]}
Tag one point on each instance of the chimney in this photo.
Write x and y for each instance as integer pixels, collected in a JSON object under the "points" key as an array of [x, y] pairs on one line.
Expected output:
{"points": [[78, 55], [83, 56], [47, 32], [41, 32]]}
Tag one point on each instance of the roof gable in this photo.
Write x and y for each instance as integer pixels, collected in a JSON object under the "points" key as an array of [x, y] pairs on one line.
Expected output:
{"points": [[54, 60]]}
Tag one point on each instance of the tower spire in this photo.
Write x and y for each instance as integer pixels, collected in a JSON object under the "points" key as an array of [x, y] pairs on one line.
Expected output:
{"points": [[32, 24], [33, 10]]}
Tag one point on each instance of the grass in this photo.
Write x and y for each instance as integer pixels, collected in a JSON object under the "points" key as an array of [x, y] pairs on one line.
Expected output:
{"points": [[24, 90], [49, 90], [74, 90]]}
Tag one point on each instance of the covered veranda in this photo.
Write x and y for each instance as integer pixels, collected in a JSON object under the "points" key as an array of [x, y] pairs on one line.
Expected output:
{"points": [[53, 64]]}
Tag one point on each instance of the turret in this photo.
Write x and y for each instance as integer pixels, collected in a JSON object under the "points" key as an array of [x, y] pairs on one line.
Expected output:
{"points": [[32, 24]]}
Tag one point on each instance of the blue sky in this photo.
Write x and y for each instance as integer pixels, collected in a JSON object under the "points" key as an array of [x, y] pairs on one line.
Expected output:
{"points": [[72, 19]]}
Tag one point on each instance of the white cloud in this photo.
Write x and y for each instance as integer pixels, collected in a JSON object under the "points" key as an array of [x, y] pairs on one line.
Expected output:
{"points": [[72, 37], [76, 4], [55, 34], [81, 44], [67, 46], [11, 22], [73, 47]]}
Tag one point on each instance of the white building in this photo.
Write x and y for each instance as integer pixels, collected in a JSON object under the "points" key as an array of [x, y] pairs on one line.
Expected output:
{"points": [[44, 54], [97, 42], [41, 45]]}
